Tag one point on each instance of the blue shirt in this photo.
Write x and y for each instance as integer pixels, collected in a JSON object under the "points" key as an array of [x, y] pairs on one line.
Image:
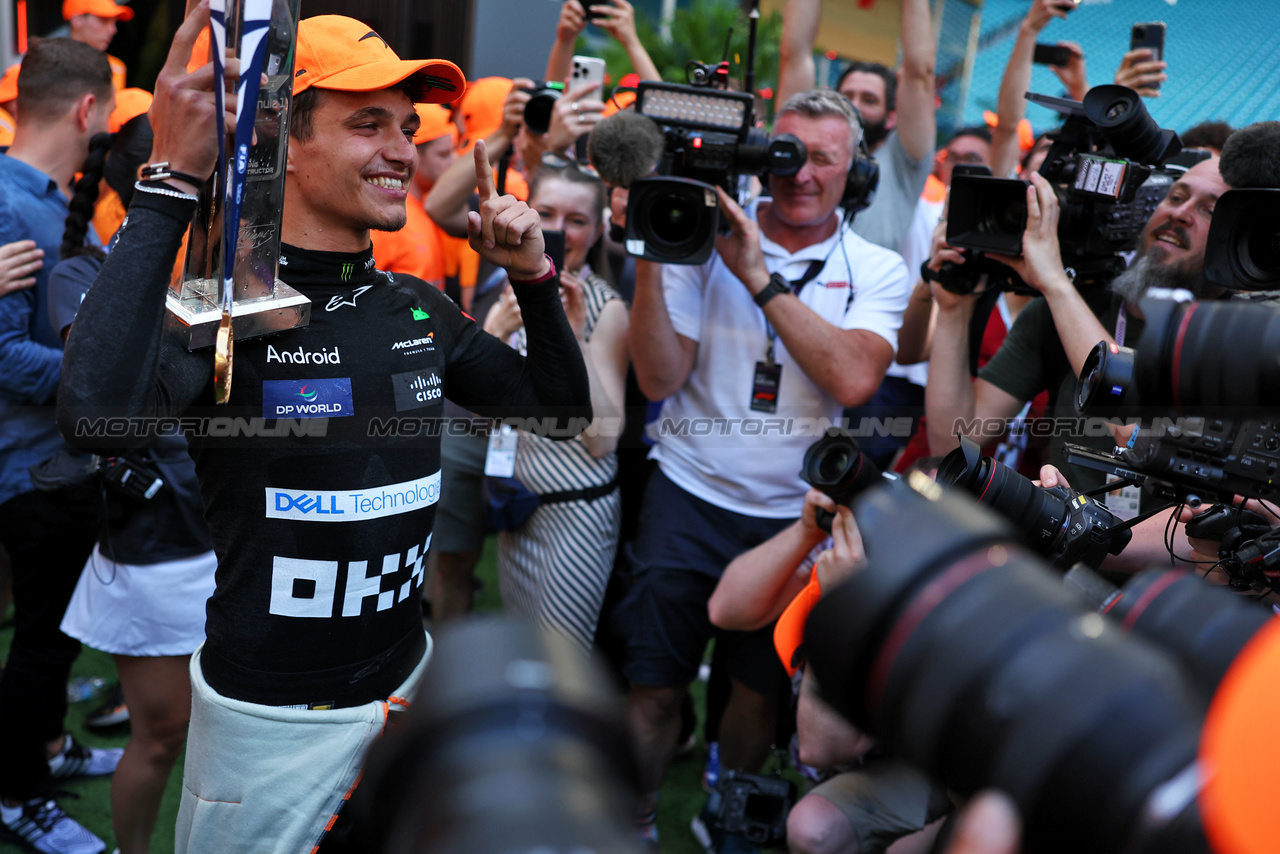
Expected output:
{"points": [[31, 208]]}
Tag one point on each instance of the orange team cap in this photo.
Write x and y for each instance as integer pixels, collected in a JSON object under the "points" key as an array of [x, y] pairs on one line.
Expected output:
{"points": [[101, 8], [340, 53], [436, 122], [9, 83], [129, 104], [481, 108]]}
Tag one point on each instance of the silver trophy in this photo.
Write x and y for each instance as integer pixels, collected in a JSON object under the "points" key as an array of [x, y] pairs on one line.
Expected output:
{"points": [[240, 292]]}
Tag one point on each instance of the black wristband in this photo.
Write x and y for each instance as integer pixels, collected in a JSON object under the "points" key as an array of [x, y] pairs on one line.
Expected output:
{"points": [[777, 285], [162, 172], [928, 273]]}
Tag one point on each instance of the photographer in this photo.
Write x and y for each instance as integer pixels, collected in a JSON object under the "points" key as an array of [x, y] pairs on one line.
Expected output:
{"points": [[1048, 343], [793, 319], [862, 808], [616, 17]]}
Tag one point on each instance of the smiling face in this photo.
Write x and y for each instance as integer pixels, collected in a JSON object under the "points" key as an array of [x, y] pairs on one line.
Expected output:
{"points": [[810, 197], [1178, 229], [352, 172], [571, 207]]}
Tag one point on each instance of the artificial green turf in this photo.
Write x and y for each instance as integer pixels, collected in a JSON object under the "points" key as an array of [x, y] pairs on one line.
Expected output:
{"points": [[681, 798]]}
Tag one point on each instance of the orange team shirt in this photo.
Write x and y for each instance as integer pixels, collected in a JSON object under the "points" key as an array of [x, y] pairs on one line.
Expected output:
{"points": [[6, 128], [414, 250]]}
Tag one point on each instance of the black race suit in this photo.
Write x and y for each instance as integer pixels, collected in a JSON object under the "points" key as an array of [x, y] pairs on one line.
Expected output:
{"points": [[320, 477]]}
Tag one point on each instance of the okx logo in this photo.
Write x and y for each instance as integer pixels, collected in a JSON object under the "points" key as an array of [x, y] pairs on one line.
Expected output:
{"points": [[327, 398]]}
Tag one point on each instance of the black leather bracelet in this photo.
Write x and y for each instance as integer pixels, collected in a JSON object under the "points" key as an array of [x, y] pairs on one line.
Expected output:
{"points": [[777, 285], [162, 172]]}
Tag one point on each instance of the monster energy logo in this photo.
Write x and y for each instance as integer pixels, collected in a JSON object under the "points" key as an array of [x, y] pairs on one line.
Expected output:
{"points": [[347, 269], [429, 82]]}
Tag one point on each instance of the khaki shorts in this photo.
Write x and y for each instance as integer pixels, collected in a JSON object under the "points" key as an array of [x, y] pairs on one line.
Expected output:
{"points": [[884, 800]]}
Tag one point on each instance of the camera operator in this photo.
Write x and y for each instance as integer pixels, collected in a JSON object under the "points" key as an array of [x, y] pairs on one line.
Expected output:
{"points": [[879, 799], [794, 317], [1048, 343]]}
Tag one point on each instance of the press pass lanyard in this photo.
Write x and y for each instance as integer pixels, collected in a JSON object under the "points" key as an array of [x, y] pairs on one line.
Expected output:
{"points": [[768, 375]]}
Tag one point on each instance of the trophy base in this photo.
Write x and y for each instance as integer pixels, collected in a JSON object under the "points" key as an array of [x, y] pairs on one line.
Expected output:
{"points": [[194, 314]]}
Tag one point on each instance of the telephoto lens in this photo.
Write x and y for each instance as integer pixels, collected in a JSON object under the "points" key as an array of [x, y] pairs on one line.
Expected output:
{"points": [[836, 465], [514, 743], [1216, 358], [965, 653], [1063, 525], [1204, 625]]}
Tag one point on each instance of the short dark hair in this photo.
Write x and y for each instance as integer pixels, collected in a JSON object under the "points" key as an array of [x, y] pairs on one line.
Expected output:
{"points": [[883, 72], [1206, 135], [981, 132], [308, 100], [1251, 157], [55, 74]]}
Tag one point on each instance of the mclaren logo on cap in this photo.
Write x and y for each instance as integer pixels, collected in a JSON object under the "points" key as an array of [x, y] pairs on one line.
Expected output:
{"points": [[429, 82], [372, 35]]}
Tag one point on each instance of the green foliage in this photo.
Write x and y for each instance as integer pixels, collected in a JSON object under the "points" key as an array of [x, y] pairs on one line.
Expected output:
{"points": [[698, 34]]}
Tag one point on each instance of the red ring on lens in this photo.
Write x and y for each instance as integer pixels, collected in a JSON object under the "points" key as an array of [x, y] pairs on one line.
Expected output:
{"points": [[933, 594], [1177, 350]]}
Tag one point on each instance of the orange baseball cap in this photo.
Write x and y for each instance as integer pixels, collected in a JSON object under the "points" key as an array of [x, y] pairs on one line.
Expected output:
{"points": [[9, 83], [100, 8], [129, 104], [482, 107], [436, 122], [337, 52]]}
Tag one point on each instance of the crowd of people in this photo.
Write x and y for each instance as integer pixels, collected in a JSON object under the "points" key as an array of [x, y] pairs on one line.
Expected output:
{"points": [[468, 270]]}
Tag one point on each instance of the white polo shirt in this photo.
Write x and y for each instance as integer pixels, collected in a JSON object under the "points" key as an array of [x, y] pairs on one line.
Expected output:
{"points": [[708, 441]]}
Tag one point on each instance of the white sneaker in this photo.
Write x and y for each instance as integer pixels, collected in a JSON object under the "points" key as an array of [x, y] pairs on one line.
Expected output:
{"points": [[43, 826], [76, 760]]}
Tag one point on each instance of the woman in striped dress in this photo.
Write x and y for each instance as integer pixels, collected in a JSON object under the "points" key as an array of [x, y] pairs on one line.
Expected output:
{"points": [[554, 568]]}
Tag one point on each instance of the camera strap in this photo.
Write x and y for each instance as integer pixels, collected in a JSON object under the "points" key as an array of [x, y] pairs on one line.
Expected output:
{"points": [[1122, 321]]}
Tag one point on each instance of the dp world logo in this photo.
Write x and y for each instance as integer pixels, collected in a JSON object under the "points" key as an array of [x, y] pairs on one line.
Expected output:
{"points": [[306, 395]]}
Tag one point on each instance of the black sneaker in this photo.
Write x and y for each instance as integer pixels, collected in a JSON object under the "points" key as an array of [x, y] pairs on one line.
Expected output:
{"points": [[43, 826], [112, 712]]}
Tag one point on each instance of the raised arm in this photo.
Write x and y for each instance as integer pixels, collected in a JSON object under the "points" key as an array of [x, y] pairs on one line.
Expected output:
{"points": [[484, 374], [1012, 105], [796, 71], [917, 122], [447, 203], [119, 362], [573, 19], [758, 584], [618, 18]]}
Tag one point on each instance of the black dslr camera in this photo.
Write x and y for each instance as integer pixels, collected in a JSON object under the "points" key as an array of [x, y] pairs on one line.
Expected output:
{"points": [[1065, 526], [542, 100], [836, 466], [754, 806], [1106, 167]]}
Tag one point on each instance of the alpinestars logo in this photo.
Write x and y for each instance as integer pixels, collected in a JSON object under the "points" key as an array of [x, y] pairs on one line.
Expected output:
{"points": [[337, 302]]}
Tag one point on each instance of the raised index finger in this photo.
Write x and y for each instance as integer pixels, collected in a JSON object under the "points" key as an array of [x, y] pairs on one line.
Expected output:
{"points": [[484, 175], [185, 39]]}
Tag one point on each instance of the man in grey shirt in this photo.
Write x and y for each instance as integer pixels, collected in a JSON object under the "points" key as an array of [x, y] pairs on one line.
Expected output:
{"points": [[898, 111]]}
